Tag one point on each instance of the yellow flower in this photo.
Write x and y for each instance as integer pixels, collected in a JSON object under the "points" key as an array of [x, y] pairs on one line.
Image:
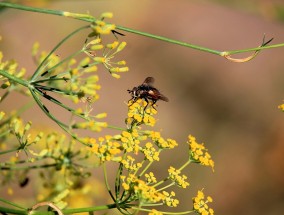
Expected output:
{"points": [[281, 107], [161, 142], [155, 212], [138, 115], [198, 153], [129, 141], [150, 178], [200, 205], [179, 180], [129, 164], [150, 152], [169, 200], [106, 148]]}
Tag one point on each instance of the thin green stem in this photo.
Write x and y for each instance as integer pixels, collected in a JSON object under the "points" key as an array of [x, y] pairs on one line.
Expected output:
{"points": [[45, 110], [118, 180], [106, 182], [89, 209], [160, 182], [14, 78], [11, 203], [145, 169], [38, 70], [8, 151], [5, 210], [252, 49], [115, 127], [88, 18], [166, 39], [66, 211], [28, 167], [165, 187], [49, 79], [184, 165], [70, 56]]}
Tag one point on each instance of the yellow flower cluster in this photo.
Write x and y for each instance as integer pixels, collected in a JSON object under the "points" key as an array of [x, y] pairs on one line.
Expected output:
{"points": [[169, 200], [175, 176], [129, 164], [11, 67], [150, 178], [150, 152], [199, 154], [106, 148], [81, 82], [155, 212], [200, 205], [130, 141], [73, 79], [90, 125], [20, 130], [110, 51], [144, 192], [161, 142], [100, 27], [137, 115]]}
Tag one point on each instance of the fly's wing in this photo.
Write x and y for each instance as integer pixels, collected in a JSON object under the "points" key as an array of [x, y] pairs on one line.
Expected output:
{"points": [[164, 98], [149, 81], [156, 95]]}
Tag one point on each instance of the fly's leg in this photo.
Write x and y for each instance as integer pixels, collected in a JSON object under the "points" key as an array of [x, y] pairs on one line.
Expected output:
{"points": [[133, 101], [154, 102]]}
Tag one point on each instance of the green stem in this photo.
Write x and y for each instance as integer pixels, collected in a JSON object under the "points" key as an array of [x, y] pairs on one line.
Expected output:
{"points": [[89, 209], [166, 39], [165, 187], [67, 58], [40, 104], [11, 203], [88, 18], [8, 151], [106, 182], [28, 167], [160, 182], [184, 165], [14, 78], [252, 49], [145, 169], [38, 70], [66, 211]]}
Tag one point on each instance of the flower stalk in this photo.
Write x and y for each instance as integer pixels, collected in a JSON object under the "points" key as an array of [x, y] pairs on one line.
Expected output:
{"points": [[88, 18]]}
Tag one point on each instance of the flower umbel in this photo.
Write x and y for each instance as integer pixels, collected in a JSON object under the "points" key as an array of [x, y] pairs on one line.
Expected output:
{"points": [[137, 114], [178, 179], [198, 153], [200, 205]]}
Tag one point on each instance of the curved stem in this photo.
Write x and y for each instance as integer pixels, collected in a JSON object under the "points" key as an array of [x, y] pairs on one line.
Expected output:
{"points": [[106, 182], [88, 18]]}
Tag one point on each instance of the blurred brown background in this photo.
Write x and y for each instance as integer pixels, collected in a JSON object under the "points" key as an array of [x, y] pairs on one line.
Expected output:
{"points": [[231, 107]]}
